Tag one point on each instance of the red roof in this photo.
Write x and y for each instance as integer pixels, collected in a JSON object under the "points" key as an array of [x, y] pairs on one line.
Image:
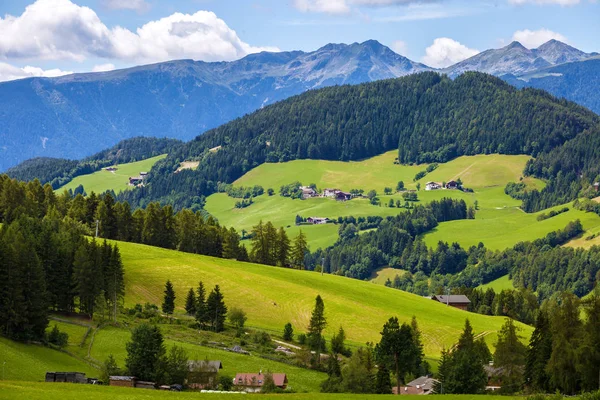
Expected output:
{"points": [[259, 379]]}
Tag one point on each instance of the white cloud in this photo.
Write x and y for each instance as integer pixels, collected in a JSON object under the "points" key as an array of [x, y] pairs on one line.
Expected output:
{"points": [[533, 39], [136, 5], [543, 2], [445, 52], [345, 6], [400, 47], [10, 72], [103, 67], [62, 30]]}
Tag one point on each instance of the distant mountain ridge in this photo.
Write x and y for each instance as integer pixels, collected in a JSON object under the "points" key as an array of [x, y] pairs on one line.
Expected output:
{"points": [[77, 115]]}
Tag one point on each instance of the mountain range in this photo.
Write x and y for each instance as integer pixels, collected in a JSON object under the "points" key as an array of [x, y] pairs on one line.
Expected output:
{"points": [[77, 115]]}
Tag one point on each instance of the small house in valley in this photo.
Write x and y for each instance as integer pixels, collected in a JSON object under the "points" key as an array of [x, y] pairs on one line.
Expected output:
{"points": [[343, 196], [135, 180], [308, 192], [420, 386], [455, 300], [432, 186], [330, 192], [317, 220], [203, 374], [253, 383], [452, 185]]}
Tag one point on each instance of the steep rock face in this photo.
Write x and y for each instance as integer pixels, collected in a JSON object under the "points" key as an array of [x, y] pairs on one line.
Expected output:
{"points": [[77, 115]]}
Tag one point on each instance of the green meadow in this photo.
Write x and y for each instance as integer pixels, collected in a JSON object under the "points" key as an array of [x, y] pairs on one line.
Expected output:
{"points": [[101, 181], [499, 223], [65, 391], [274, 296], [30, 362], [499, 284]]}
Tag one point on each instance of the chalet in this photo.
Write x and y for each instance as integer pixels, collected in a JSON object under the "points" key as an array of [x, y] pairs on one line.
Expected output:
{"points": [[452, 185], [308, 192], [123, 381], [330, 192], [432, 186], [455, 300], [68, 377], [203, 374], [420, 386], [317, 220], [494, 376], [343, 196], [252, 383]]}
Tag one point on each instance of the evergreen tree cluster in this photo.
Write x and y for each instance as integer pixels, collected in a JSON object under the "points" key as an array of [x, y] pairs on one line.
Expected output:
{"points": [[271, 246], [427, 117]]}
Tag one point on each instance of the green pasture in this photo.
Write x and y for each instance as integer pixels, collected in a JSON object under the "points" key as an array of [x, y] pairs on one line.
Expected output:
{"points": [[111, 340], [30, 362], [101, 181], [499, 284], [383, 274], [274, 296], [65, 391]]}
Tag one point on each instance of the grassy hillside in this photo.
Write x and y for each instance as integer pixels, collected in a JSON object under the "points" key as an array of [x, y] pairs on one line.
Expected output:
{"points": [[273, 296], [111, 340], [101, 181], [66, 391], [499, 284], [29, 362], [499, 222]]}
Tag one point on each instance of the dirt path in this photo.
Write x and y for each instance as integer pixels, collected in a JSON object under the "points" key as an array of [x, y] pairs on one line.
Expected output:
{"points": [[463, 171]]}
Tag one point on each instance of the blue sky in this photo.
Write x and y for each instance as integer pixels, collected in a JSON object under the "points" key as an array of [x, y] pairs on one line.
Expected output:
{"points": [[53, 37]]}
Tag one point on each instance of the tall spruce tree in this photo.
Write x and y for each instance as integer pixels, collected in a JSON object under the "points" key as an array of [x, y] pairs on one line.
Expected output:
{"points": [[190, 302], [510, 357], [538, 354], [590, 347], [317, 324], [299, 250], [202, 316], [282, 248], [397, 349], [216, 309], [168, 304], [466, 374], [145, 352]]}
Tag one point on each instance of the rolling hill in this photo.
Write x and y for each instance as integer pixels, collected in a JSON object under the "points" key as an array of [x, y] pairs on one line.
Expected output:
{"points": [[274, 296]]}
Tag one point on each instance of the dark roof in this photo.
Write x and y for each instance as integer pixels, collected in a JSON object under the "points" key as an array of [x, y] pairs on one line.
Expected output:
{"points": [[122, 378], [452, 299], [424, 382]]}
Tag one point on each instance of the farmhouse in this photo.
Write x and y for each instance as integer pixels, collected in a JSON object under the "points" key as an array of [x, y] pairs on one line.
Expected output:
{"points": [[330, 192], [253, 383], [343, 196], [317, 220], [135, 180], [494, 376], [452, 185], [455, 300], [308, 192], [69, 377], [203, 374], [420, 386], [432, 186]]}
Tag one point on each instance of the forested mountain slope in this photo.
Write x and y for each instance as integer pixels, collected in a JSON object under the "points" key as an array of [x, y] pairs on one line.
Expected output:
{"points": [[427, 116]]}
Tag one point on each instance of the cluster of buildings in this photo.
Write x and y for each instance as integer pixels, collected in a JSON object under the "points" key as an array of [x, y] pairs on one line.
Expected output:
{"points": [[308, 192], [138, 180], [436, 185]]}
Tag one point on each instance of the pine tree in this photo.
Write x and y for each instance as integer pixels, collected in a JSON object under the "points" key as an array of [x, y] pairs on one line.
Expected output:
{"points": [[444, 372], [317, 324], [337, 343], [466, 374], [299, 250], [397, 349], [190, 302], [282, 248], [510, 357], [202, 316], [421, 366], [231, 244], [216, 309], [168, 304], [590, 347], [538, 354], [288, 332]]}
